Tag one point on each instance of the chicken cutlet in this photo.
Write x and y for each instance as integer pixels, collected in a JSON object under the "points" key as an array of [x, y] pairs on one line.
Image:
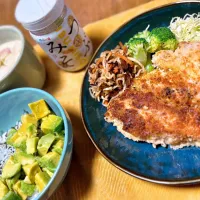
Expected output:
{"points": [[163, 106]]}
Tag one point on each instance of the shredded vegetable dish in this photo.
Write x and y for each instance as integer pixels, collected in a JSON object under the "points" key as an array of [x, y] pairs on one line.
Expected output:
{"points": [[187, 28], [112, 73]]}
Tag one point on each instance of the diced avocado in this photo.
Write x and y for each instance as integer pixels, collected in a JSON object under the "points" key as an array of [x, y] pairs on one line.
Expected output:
{"points": [[31, 170], [23, 158], [20, 143], [41, 180], [27, 180], [28, 129], [3, 190], [11, 132], [29, 118], [60, 135], [12, 137], [58, 146], [45, 143], [39, 109], [48, 172], [51, 124], [11, 196], [10, 168], [32, 131], [3, 180], [11, 181], [50, 161], [28, 189], [18, 190], [31, 145]]}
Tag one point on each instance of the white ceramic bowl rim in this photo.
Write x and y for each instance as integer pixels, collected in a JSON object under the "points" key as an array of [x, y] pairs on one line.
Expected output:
{"points": [[22, 39]]}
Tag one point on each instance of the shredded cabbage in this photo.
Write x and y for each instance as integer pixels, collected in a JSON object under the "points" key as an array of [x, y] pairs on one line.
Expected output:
{"points": [[186, 28]]}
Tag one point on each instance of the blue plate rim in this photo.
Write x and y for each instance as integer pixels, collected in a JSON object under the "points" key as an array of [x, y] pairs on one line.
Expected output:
{"points": [[109, 159]]}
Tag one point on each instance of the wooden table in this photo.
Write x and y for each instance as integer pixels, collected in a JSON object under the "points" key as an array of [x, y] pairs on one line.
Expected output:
{"points": [[85, 10]]}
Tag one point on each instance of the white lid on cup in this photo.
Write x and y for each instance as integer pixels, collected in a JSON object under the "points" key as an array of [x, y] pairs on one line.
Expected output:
{"points": [[35, 15]]}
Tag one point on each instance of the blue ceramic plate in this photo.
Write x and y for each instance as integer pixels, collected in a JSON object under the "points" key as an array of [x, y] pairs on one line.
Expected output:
{"points": [[12, 106], [161, 165]]}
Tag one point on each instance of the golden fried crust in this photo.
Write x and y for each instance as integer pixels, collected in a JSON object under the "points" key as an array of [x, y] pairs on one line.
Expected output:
{"points": [[146, 116], [164, 103]]}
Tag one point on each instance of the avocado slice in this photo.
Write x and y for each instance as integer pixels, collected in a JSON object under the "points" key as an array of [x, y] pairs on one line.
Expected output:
{"points": [[31, 170], [58, 146], [50, 161], [23, 158], [51, 124], [11, 181], [41, 180], [31, 131], [60, 135], [29, 118], [27, 180], [10, 168], [31, 145], [12, 136], [20, 143], [45, 143], [3, 180], [11, 196], [18, 190], [28, 129], [11, 132], [48, 172], [39, 109], [17, 140], [28, 189], [3, 190]]}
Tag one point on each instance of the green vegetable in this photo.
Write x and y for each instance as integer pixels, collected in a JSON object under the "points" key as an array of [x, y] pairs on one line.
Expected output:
{"points": [[31, 170], [3, 190], [39, 109], [10, 182], [51, 124], [161, 38], [41, 180], [137, 48], [48, 172], [23, 158], [11, 133], [11, 168], [45, 143], [18, 190], [50, 161], [28, 189], [149, 65], [11, 196], [144, 34], [31, 145], [31, 131]]}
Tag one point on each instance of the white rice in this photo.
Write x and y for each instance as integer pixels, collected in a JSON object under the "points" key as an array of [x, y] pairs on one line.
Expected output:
{"points": [[6, 150]]}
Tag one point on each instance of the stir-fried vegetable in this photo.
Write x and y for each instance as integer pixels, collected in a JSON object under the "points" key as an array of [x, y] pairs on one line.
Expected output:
{"points": [[161, 39], [137, 48], [186, 28], [112, 73]]}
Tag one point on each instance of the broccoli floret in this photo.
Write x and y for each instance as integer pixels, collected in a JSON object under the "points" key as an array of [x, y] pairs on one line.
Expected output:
{"points": [[144, 34], [137, 49], [161, 38]]}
